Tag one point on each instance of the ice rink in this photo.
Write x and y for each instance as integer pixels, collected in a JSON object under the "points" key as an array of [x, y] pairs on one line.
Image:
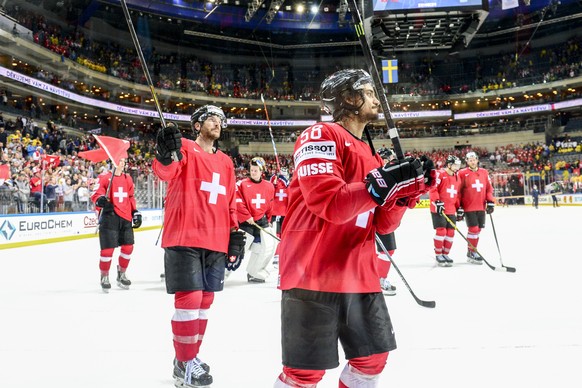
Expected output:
{"points": [[489, 329]]}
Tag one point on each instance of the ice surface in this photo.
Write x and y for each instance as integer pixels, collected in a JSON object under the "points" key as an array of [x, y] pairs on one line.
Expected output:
{"points": [[489, 329]]}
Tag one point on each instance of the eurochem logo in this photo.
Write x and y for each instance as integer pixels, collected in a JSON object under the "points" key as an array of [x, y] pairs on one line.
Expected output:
{"points": [[7, 230]]}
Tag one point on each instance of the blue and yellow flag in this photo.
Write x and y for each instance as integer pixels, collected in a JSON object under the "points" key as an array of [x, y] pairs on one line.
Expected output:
{"points": [[390, 71]]}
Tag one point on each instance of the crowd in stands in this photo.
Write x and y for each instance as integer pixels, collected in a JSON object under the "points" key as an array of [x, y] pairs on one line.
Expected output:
{"points": [[188, 73], [67, 183]]}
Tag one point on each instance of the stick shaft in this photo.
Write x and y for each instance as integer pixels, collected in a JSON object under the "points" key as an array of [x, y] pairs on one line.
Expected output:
{"points": [[373, 70]]}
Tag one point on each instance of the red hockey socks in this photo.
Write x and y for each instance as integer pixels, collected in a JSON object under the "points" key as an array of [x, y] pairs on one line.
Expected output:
{"points": [[186, 324], [125, 256], [105, 260], [439, 239], [473, 236], [448, 242]]}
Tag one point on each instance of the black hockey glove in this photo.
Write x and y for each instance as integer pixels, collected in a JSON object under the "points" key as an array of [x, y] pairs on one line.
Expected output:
{"points": [[397, 179], [104, 203], [168, 140], [263, 222], [135, 219], [236, 249], [490, 207], [460, 214], [428, 171], [440, 207]]}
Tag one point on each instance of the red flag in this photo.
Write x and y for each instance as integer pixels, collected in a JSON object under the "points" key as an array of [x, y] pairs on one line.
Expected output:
{"points": [[116, 149], [95, 156], [51, 160], [4, 173]]}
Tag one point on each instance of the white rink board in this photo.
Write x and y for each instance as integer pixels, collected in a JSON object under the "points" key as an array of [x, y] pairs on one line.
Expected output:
{"points": [[18, 229]]}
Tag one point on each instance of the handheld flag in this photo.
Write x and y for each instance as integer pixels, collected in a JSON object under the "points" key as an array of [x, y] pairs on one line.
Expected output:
{"points": [[4, 173], [50, 161], [111, 148]]}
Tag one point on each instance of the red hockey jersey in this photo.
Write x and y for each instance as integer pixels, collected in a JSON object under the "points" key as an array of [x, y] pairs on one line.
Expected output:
{"points": [[200, 205], [281, 196], [254, 199], [447, 190], [327, 242], [476, 189], [120, 194]]}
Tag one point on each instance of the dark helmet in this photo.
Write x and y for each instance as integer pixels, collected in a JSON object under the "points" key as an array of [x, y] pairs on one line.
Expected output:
{"points": [[201, 114], [340, 84], [386, 153], [452, 159]]}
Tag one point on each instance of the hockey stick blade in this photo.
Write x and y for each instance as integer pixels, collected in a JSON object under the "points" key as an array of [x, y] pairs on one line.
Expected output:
{"points": [[499, 269], [431, 304]]}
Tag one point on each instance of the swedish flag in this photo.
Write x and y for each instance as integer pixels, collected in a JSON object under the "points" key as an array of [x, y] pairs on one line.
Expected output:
{"points": [[390, 71]]}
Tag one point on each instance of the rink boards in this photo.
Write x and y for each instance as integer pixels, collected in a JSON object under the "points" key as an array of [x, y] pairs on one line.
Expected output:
{"points": [[28, 229]]}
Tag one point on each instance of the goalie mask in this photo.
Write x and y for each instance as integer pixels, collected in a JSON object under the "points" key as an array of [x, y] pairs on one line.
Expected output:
{"points": [[201, 114], [340, 86]]}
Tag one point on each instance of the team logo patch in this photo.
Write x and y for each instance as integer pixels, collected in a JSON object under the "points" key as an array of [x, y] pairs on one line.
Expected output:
{"points": [[316, 150]]}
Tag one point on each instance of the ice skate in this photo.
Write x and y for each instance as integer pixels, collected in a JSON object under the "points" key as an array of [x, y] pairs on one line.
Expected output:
{"points": [[105, 285], [122, 280], [252, 279], [441, 261], [449, 261], [474, 258], [191, 374], [387, 288]]}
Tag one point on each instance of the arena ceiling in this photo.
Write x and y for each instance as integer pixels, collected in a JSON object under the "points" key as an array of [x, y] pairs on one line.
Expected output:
{"points": [[312, 24]]}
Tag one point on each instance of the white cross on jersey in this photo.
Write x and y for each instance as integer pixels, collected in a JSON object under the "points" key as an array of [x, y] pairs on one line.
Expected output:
{"points": [[281, 195], [452, 192], [477, 185], [258, 201], [214, 188], [362, 218], [120, 194]]}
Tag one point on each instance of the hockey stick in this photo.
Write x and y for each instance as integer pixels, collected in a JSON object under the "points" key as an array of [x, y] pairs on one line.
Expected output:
{"points": [[429, 304], [267, 232], [145, 68], [271, 133], [373, 70], [500, 269], [497, 242]]}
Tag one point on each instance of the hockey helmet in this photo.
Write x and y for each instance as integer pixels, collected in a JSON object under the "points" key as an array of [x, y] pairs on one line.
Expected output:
{"points": [[452, 159], [260, 162], [471, 154], [341, 84], [201, 114]]}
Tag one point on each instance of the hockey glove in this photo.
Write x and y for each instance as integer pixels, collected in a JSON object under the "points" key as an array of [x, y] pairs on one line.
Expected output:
{"points": [[263, 222], [440, 207], [236, 249], [490, 207], [135, 219], [397, 179], [428, 171], [104, 203], [460, 214], [168, 140]]}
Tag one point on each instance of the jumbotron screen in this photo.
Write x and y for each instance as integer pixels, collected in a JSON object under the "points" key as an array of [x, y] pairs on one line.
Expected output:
{"points": [[432, 5]]}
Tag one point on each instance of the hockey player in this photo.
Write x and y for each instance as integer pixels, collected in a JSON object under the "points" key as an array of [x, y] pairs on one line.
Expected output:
{"points": [[476, 199], [389, 240], [281, 183], [445, 199], [199, 230], [341, 195], [117, 218], [254, 208]]}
